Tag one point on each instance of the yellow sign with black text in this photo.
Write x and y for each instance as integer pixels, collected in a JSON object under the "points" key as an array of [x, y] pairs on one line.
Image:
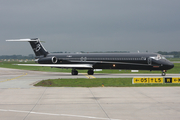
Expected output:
{"points": [[148, 80], [175, 80], [140, 80], [155, 80]]}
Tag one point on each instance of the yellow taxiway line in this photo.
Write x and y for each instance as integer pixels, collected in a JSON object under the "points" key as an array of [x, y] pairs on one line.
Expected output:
{"points": [[14, 78], [88, 76]]}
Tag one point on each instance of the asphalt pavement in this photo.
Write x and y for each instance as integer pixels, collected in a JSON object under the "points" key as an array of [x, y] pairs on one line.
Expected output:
{"points": [[20, 100]]}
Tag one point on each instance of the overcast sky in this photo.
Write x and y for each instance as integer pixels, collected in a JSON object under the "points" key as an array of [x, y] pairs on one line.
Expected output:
{"points": [[90, 25]]}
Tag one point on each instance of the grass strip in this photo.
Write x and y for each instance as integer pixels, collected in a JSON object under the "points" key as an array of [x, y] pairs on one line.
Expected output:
{"points": [[98, 82]]}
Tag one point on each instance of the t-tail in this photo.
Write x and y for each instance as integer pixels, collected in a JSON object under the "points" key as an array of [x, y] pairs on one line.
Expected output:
{"points": [[36, 45]]}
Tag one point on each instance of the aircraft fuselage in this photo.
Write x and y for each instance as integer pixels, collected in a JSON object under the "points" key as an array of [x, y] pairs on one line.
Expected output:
{"points": [[129, 61]]}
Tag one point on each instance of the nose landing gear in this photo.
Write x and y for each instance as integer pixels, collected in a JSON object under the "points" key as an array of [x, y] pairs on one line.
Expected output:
{"points": [[164, 73]]}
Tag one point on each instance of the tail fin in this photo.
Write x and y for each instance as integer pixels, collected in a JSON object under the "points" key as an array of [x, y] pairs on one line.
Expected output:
{"points": [[36, 45]]}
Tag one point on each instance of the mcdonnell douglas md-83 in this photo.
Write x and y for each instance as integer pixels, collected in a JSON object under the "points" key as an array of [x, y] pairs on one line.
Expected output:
{"points": [[91, 61]]}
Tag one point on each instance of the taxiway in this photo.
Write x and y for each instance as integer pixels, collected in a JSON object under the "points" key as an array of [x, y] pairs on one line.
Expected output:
{"points": [[19, 99], [13, 78]]}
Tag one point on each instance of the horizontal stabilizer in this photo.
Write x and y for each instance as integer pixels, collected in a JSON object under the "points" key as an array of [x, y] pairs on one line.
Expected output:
{"points": [[60, 65], [24, 40], [36, 45]]}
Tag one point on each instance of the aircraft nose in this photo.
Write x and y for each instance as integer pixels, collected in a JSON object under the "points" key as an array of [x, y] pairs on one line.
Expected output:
{"points": [[170, 65], [167, 64]]}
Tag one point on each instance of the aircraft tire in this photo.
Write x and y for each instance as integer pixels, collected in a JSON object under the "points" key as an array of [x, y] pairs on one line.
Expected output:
{"points": [[90, 72], [74, 72], [163, 74]]}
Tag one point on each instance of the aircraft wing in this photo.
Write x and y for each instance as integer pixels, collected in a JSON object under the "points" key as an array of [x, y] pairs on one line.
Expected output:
{"points": [[60, 65]]}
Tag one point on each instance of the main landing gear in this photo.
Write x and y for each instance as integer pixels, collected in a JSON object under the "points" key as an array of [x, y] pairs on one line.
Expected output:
{"points": [[90, 72], [75, 72], [164, 73]]}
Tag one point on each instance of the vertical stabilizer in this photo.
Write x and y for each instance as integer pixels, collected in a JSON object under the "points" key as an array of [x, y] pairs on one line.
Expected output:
{"points": [[36, 45]]}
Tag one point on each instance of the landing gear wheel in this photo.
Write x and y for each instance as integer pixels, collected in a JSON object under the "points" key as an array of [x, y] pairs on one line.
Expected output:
{"points": [[163, 74], [74, 72], [90, 72]]}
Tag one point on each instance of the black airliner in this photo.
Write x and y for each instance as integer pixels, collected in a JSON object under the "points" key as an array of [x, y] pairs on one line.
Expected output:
{"points": [[91, 61]]}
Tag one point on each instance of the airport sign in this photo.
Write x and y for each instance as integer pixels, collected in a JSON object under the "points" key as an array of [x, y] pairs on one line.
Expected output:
{"points": [[148, 80], [156, 80], [140, 80], [168, 80], [175, 80]]}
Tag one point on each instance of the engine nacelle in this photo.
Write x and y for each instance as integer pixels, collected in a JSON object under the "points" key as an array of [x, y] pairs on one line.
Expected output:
{"points": [[47, 60]]}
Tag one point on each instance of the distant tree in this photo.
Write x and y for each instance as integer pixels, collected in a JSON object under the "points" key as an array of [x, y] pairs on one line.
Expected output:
{"points": [[31, 56], [175, 53]]}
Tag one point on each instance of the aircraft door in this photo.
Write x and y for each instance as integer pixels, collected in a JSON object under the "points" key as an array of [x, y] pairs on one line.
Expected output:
{"points": [[149, 61]]}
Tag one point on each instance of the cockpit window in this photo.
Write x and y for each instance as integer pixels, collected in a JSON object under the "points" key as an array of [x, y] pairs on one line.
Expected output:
{"points": [[158, 57]]}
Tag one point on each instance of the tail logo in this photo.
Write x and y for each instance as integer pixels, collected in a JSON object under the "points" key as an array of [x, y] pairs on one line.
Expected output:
{"points": [[38, 47]]}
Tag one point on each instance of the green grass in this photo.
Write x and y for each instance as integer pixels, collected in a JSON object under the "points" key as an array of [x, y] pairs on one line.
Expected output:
{"points": [[174, 59], [107, 82], [176, 69]]}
